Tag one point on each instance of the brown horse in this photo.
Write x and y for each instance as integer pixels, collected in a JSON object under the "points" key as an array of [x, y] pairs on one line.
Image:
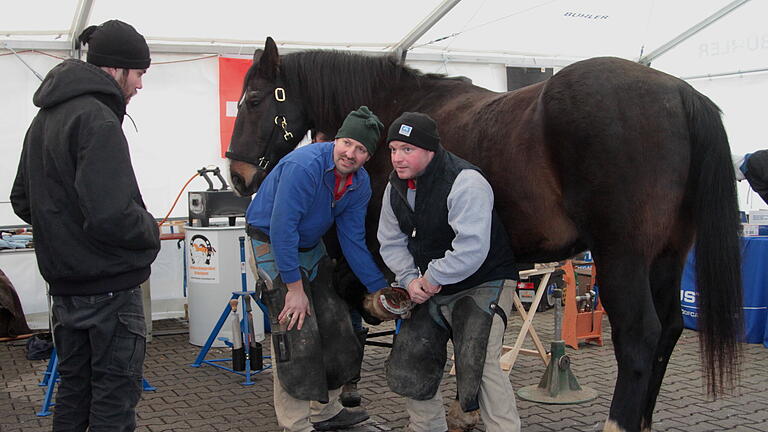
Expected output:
{"points": [[607, 155]]}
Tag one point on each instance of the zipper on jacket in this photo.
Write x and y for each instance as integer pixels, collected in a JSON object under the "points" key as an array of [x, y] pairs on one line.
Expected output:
{"points": [[408, 206], [333, 193]]}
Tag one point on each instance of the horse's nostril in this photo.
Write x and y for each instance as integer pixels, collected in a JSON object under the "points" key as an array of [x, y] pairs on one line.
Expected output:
{"points": [[237, 183]]}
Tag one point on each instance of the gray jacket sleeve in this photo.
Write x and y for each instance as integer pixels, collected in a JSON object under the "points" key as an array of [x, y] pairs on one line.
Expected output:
{"points": [[470, 207], [394, 244]]}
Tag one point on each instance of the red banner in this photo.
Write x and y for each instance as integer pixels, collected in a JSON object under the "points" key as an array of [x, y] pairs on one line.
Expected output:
{"points": [[231, 74]]}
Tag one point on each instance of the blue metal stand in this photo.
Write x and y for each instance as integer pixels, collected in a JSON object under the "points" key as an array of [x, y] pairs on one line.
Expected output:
{"points": [[244, 296], [51, 377]]}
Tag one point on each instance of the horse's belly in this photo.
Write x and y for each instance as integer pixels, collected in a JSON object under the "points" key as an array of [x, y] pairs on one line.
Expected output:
{"points": [[540, 234]]}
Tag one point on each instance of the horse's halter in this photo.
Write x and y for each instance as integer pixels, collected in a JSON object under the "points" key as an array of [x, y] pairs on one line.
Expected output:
{"points": [[263, 162]]}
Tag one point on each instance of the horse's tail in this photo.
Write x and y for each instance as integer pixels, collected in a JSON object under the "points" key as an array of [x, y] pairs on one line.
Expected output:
{"points": [[718, 257]]}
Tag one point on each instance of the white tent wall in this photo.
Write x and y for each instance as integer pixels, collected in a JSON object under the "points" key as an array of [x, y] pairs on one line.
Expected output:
{"points": [[176, 131], [742, 101], [733, 52], [177, 118], [16, 111]]}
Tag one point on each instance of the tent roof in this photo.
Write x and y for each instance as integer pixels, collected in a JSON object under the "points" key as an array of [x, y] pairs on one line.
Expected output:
{"points": [[521, 32]]}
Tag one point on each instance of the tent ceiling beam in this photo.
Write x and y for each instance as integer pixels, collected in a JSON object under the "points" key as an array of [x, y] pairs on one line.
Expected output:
{"points": [[738, 73], [82, 14], [246, 51], [38, 45], [646, 60], [401, 48]]}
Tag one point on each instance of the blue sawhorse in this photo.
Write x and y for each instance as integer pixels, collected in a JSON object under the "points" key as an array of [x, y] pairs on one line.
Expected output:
{"points": [[245, 297], [51, 377]]}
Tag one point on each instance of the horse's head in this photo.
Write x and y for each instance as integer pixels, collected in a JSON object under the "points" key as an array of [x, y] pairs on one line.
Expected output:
{"points": [[271, 120]]}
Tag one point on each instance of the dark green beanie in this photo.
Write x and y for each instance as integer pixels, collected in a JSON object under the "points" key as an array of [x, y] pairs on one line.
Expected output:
{"points": [[362, 125]]}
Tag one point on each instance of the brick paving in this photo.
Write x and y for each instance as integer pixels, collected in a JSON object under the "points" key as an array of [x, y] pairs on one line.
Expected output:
{"points": [[209, 399]]}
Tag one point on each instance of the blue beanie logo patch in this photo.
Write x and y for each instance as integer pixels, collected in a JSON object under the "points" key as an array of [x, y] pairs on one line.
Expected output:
{"points": [[405, 130]]}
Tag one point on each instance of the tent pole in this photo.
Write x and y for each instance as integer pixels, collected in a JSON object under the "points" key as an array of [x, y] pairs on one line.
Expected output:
{"points": [[83, 12], [646, 60], [401, 48]]}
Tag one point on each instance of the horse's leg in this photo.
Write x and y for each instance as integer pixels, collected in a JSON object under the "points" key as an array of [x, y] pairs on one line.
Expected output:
{"points": [[635, 330], [665, 287]]}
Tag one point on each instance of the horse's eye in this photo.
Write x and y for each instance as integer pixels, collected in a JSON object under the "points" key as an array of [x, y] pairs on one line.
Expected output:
{"points": [[255, 97]]}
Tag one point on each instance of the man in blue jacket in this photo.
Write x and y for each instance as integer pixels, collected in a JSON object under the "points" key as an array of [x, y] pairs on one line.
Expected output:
{"points": [[315, 350], [94, 239]]}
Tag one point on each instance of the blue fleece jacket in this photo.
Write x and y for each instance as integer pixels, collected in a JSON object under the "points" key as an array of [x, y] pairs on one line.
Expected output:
{"points": [[295, 207]]}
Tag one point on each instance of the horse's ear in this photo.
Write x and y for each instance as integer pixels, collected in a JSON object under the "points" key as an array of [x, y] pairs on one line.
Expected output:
{"points": [[257, 55], [269, 60]]}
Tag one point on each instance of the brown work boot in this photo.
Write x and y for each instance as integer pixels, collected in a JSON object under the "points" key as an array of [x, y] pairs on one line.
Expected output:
{"points": [[350, 397]]}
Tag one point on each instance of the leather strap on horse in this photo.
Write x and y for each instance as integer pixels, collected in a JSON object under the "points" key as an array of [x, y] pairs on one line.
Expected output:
{"points": [[263, 163]]}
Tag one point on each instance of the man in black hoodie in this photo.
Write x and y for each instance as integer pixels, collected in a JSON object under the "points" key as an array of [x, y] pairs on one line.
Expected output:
{"points": [[94, 238]]}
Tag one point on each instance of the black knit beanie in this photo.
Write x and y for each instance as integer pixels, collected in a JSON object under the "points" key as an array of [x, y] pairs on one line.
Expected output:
{"points": [[362, 125], [415, 128], [116, 44]]}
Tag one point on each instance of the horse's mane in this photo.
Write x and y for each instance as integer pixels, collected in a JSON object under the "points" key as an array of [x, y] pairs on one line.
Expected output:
{"points": [[332, 81]]}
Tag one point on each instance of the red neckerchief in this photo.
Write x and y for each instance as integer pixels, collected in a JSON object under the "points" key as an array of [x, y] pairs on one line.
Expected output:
{"points": [[411, 184], [337, 194]]}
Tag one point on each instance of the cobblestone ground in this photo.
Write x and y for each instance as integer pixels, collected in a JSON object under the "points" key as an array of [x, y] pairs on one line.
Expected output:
{"points": [[209, 399]]}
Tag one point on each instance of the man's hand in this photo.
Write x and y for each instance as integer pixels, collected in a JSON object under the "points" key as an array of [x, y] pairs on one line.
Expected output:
{"points": [[429, 288], [296, 305], [417, 289]]}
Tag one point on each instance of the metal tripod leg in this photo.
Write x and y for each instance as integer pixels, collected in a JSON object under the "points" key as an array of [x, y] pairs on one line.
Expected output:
{"points": [[244, 297], [558, 385]]}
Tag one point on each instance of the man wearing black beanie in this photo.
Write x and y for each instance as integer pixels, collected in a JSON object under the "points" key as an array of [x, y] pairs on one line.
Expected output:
{"points": [[443, 240], [118, 49], [94, 239]]}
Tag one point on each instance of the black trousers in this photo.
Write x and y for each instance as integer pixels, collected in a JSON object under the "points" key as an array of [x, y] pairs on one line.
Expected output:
{"points": [[100, 341]]}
